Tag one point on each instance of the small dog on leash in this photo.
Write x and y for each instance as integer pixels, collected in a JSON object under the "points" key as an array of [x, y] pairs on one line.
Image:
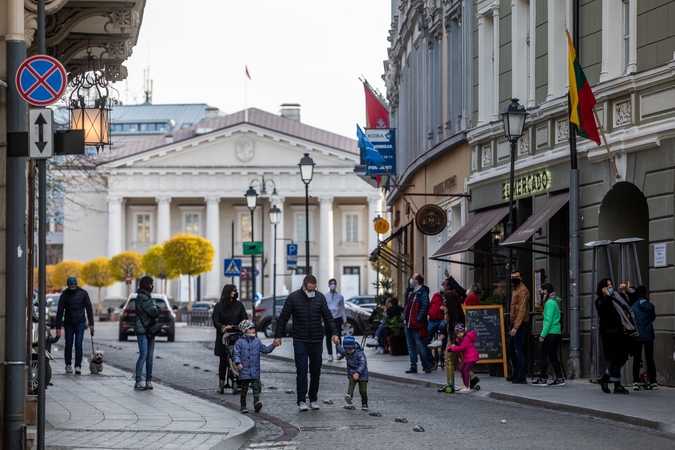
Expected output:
{"points": [[96, 363]]}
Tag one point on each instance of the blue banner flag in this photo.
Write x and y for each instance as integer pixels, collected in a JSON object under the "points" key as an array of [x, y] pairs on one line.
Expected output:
{"points": [[370, 154]]}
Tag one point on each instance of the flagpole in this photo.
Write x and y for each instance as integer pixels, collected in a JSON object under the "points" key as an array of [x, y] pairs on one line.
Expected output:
{"points": [[604, 138]]}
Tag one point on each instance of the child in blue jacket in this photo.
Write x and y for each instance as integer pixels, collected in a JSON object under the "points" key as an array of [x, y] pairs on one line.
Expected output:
{"points": [[247, 352], [357, 369]]}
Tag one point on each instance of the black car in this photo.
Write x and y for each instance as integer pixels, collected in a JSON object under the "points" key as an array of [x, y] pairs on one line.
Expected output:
{"points": [[166, 318]]}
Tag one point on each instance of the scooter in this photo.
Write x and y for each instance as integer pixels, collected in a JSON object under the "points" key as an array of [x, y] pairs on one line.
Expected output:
{"points": [[33, 381]]}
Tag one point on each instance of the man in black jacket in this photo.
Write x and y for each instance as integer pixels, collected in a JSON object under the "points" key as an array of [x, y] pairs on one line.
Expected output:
{"points": [[73, 303], [308, 307]]}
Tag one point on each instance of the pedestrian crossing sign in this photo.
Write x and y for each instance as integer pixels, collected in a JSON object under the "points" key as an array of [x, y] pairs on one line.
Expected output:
{"points": [[232, 267]]}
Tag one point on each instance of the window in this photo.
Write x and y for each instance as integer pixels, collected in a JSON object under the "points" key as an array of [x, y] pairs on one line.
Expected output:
{"points": [[351, 228], [143, 227], [58, 222], [301, 227], [626, 34], [245, 227], [192, 223]]}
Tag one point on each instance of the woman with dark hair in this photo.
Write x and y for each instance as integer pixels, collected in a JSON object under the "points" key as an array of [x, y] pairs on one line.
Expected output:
{"points": [[549, 337], [146, 313], [617, 330], [227, 315]]}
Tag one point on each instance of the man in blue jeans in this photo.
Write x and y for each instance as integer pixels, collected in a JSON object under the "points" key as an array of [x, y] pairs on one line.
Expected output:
{"points": [[308, 307], [416, 324], [520, 327], [73, 303]]}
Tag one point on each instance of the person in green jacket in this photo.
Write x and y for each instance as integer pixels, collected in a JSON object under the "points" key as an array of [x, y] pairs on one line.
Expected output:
{"points": [[550, 337]]}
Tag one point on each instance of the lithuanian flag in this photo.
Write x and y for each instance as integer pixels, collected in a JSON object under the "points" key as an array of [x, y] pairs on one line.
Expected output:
{"points": [[582, 99]]}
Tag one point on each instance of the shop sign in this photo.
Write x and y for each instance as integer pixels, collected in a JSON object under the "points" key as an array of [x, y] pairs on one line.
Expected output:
{"points": [[528, 185], [431, 219]]}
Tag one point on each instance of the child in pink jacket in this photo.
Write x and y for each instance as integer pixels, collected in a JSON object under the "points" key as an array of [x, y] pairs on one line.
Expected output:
{"points": [[469, 354]]}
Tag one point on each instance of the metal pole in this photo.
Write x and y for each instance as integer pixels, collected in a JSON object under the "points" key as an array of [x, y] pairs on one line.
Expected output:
{"points": [[262, 239], [307, 269], [274, 284], [232, 250], [15, 260], [252, 275], [509, 226]]}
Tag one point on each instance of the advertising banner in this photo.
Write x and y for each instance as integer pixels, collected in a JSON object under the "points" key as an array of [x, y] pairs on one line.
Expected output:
{"points": [[384, 141]]}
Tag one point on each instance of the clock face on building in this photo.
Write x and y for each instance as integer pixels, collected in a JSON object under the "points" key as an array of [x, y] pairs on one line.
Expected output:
{"points": [[381, 226], [431, 219]]}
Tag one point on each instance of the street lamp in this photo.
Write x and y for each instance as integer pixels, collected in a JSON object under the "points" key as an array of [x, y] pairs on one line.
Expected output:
{"points": [[251, 201], [275, 218], [263, 194], [306, 165], [514, 121]]}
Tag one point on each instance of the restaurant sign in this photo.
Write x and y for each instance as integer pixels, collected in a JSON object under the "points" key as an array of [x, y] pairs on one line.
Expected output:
{"points": [[528, 185]]}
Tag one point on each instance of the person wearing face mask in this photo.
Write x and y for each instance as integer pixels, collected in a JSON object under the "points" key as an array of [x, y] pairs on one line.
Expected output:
{"points": [[416, 325], [227, 315], [520, 327], [336, 304], [146, 311], [437, 318], [549, 337], [308, 308], [73, 303], [618, 329], [473, 295]]}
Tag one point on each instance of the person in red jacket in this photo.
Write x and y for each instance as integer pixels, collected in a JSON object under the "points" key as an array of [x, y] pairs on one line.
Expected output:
{"points": [[437, 318], [473, 295], [469, 354]]}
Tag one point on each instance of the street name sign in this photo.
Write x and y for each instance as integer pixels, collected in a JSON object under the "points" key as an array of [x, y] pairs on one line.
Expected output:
{"points": [[41, 80], [232, 267], [41, 133], [253, 248]]}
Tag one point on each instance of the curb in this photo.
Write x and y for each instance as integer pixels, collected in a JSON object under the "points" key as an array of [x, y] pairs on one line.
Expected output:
{"points": [[236, 438], [544, 404]]}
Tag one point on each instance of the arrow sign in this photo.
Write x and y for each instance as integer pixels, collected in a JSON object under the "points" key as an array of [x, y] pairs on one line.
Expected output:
{"points": [[41, 133]]}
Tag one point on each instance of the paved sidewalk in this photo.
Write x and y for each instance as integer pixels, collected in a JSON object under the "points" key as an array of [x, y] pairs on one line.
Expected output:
{"points": [[651, 409], [104, 412]]}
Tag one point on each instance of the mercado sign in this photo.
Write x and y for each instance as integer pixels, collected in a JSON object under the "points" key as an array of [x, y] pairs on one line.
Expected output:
{"points": [[527, 185]]}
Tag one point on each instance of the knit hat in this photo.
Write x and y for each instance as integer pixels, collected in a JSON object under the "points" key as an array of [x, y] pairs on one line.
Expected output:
{"points": [[71, 281], [459, 328], [349, 343], [246, 325]]}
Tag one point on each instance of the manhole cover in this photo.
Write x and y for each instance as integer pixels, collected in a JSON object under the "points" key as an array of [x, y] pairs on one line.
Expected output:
{"points": [[339, 428]]}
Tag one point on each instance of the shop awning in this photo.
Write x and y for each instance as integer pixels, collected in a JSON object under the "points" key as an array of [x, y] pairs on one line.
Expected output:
{"points": [[538, 219], [469, 234]]}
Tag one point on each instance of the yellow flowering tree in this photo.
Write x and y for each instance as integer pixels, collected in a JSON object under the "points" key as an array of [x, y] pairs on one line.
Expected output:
{"points": [[126, 264], [190, 255], [154, 264], [66, 269], [50, 286], [96, 273]]}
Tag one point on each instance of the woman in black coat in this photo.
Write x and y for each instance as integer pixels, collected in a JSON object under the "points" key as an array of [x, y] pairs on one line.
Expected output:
{"points": [[227, 315], [617, 325]]}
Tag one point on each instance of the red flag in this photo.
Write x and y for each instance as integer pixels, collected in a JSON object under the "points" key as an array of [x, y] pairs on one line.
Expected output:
{"points": [[377, 115], [248, 74]]}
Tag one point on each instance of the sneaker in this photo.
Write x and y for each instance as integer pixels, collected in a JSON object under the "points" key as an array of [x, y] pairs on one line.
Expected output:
{"points": [[519, 380], [540, 382], [78, 370], [427, 369], [636, 386], [69, 369], [364, 407], [411, 370], [139, 386], [653, 386], [340, 357], [302, 406], [348, 399], [435, 344], [314, 405], [258, 406], [511, 378], [243, 409], [463, 390], [148, 385], [374, 342], [379, 351], [330, 358], [558, 382]]}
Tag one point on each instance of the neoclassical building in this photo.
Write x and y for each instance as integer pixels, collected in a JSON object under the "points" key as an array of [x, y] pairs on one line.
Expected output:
{"points": [[193, 180]]}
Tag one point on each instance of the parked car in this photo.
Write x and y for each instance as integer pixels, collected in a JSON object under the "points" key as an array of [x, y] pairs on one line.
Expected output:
{"points": [[166, 318], [263, 311], [369, 306], [359, 300], [199, 306]]}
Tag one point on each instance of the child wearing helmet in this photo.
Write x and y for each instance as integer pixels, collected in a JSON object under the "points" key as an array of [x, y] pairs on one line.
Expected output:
{"points": [[247, 352], [469, 354]]}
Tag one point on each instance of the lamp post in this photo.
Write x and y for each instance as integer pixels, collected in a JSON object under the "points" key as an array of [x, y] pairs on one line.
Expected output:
{"points": [[263, 194], [275, 218], [251, 201], [306, 165], [514, 121]]}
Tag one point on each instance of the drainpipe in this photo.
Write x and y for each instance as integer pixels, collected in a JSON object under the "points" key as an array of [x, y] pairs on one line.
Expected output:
{"points": [[15, 244]]}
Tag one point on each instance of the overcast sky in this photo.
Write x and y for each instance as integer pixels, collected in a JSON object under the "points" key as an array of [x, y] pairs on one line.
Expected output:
{"points": [[310, 52]]}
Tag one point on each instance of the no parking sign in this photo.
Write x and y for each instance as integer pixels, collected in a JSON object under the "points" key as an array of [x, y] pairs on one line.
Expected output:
{"points": [[41, 80]]}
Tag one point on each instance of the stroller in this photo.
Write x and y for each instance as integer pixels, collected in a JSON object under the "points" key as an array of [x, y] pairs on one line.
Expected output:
{"points": [[232, 374]]}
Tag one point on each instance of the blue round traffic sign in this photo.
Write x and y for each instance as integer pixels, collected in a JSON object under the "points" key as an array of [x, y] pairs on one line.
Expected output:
{"points": [[256, 273], [41, 80]]}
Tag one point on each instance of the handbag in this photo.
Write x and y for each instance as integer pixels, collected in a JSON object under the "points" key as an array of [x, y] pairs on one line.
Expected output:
{"points": [[153, 329]]}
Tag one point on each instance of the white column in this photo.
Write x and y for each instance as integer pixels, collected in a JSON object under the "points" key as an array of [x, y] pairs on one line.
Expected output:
{"points": [[612, 35], [485, 65], [163, 219], [281, 248], [632, 41], [327, 239], [519, 58], [557, 49], [374, 205], [212, 287], [114, 239], [495, 64], [532, 100]]}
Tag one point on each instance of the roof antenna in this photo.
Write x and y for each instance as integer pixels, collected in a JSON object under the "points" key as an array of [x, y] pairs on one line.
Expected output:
{"points": [[147, 86]]}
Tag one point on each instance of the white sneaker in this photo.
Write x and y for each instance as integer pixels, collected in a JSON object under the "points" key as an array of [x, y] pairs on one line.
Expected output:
{"points": [[380, 351], [435, 344], [374, 342], [330, 358], [314, 405], [78, 371], [69, 369], [302, 406]]}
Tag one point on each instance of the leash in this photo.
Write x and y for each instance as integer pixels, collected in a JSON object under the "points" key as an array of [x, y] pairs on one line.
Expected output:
{"points": [[92, 345]]}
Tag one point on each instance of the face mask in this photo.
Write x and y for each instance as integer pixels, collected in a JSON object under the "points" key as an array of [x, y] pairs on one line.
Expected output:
{"points": [[235, 296], [310, 294], [515, 281], [468, 291], [442, 289], [542, 295], [332, 287], [611, 291], [151, 288], [411, 282]]}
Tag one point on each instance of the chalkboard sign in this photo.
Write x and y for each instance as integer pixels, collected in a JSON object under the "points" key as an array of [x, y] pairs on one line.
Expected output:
{"points": [[488, 322]]}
